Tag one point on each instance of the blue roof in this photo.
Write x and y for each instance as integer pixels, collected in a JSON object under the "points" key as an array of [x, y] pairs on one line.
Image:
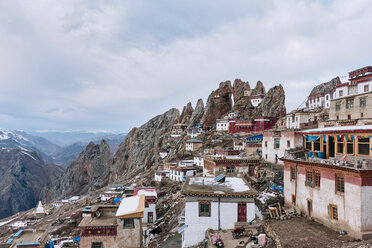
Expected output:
{"points": [[182, 228], [194, 141], [24, 244], [259, 136], [20, 231], [9, 240]]}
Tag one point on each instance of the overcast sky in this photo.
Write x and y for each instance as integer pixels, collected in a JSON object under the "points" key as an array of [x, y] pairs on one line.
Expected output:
{"points": [[112, 65]]}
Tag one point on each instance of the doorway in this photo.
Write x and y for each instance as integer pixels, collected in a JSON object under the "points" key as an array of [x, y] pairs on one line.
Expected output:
{"points": [[150, 217], [309, 207], [242, 212], [331, 146]]}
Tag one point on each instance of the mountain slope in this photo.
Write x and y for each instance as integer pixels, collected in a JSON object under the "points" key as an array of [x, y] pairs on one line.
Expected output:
{"points": [[23, 176]]}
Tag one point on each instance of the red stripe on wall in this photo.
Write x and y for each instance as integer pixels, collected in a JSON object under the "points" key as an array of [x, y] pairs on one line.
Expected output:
{"points": [[287, 167], [366, 181], [353, 180], [327, 175]]}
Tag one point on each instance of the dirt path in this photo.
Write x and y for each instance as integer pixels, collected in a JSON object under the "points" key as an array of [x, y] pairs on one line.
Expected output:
{"points": [[300, 232]]}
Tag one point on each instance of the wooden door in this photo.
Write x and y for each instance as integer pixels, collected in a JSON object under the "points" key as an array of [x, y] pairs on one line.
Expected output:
{"points": [[150, 217], [242, 212], [251, 170]]}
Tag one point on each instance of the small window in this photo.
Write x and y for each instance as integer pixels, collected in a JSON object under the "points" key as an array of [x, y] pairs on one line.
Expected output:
{"points": [[288, 143], [349, 117], [277, 144], [97, 245], [349, 103], [340, 184], [293, 199], [309, 178], [366, 88], [230, 169], [361, 115], [204, 209], [363, 102], [341, 93], [265, 143], [293, 173], [317, 179], [128, 223], [338, 106], [363, 146], [334, 212], [337, 118], [350, 147], [317, 145]]}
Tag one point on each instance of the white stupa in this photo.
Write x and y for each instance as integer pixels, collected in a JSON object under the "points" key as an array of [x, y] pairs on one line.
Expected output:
{"points": [[40, 209]]}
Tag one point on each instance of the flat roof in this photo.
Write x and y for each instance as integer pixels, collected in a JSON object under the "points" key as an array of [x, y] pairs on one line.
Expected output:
{"points": [[145, 192], [208, 186], [339, 129], [131, 207], [30, 236], [106, 218]]}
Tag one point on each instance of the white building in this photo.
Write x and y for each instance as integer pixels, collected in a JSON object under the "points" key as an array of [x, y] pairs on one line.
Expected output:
{"points": [[222, 125], [195, 131], [149, 215], [275, 143], [40, 209], [303, 118], [185, 163], [181, 174], [161, 175], [216, 205], [256, 99], [199, 161], [232, 115], [163, 152], [193, 144], [239, 144]]}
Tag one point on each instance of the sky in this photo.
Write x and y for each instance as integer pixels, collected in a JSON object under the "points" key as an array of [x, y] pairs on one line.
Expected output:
{"points": [[112, 65]]}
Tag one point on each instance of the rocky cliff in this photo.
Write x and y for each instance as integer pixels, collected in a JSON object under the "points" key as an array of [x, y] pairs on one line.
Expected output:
{"points": [[197, 114], [273, 104], [23, 176], [219, 103], [88, 173], [141, 146]]}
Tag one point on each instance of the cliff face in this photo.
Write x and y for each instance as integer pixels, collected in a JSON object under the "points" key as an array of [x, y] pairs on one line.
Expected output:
{"points": [[186, 114], [140, 147], [89, 172], [197, 114], [23, 175], [273, 104], [259, 89], [219, 103]]}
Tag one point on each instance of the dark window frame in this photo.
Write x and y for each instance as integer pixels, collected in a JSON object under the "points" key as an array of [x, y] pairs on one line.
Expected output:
{"points": [[205, 208]]}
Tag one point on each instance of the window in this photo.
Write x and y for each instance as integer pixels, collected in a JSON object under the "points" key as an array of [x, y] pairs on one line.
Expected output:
{"points": [[349, 117], [366, 88], [341, 93], [293, 199], [288, 143], [265, 143], [277, 144], [349, 103], [128, 223], [340, 147], [337, 118], [309, 145], [97, 245], [350, 147], [204, 209], [293, 173], [338, 106], [340, 184], [363, 102], [317, 145], [361, 115], [230, 169], [334, 212], [327, 97], [317, 179], [363, 146], [309, 178]]}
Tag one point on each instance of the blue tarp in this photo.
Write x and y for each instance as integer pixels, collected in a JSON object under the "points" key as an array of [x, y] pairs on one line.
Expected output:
{"points": [[259, 136], [312, 138], [76, 239], [116, 200]]}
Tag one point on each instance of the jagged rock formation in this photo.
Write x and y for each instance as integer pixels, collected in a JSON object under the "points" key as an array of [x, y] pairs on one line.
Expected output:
{"points": [[325, 87], [273, 104], [197, 114], [259, 89], [140, 147], [239, 87], [219, 103], [89, 172], [23, 175], [186, 114]]}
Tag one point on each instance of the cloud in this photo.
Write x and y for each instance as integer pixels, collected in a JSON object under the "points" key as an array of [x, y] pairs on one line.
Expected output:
{"points": [[112, 65]]}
